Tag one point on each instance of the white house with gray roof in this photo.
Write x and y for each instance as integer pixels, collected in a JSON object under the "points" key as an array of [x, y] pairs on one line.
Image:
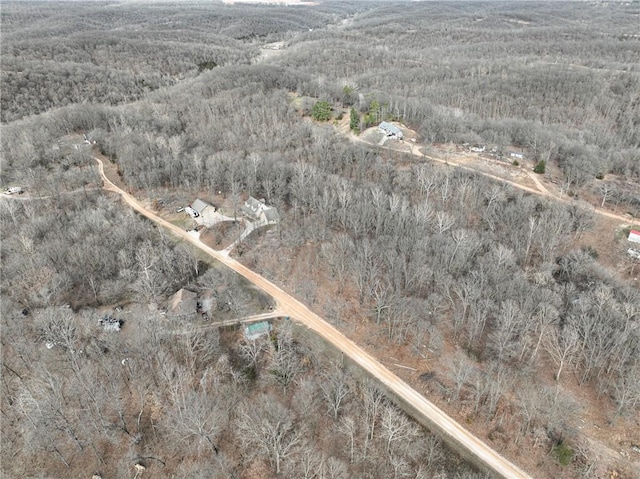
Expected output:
{"points": [[257, 210], [391, 130]]}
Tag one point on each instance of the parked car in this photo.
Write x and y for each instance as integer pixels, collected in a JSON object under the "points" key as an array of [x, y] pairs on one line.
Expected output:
{"points": [[191, 212]]}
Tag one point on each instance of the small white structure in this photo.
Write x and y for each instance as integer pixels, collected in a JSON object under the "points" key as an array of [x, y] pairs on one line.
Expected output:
{"points": [[478, 149], [14, 190], [110, 324], [257, 210], [634, 236], [517, 156], [391, 130], [633, 253]]}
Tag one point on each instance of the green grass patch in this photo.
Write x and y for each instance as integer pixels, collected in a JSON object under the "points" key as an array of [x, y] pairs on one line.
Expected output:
{"points": [[563, 453]]}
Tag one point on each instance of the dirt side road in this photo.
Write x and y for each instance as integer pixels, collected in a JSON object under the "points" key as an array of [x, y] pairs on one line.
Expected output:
{"points": [[539, 190], [469, 445]]}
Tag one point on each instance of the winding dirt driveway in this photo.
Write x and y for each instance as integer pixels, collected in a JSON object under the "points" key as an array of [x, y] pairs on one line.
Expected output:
{"points": [[423, 410], [540, 189]]}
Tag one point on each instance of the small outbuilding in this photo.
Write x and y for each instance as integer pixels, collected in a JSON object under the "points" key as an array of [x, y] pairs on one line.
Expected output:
{"points": [[109, 323], [391, 130], [200, 206], [13, 190], [634, 236], [633, 253], [256, 330], [183, 303]]}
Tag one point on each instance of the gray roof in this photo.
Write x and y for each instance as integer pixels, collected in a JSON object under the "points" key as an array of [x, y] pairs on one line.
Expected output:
{"points": [[385, 125], [183, 303], [253, 203], [255, 208], [271, 214], [199, 205]]}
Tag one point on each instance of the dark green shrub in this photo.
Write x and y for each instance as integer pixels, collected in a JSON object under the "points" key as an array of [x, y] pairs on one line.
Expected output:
{"points": [[354, 120], [321, 111], [540, 167], [208, 65]]}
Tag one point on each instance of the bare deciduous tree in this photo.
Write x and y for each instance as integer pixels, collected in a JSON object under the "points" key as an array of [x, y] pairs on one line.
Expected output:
{"points": [[396, 426], [251, 350], [462, 370], [196, 417], [334, 388], [286, 364], [267, 427], [347, 426], [562, 346]]}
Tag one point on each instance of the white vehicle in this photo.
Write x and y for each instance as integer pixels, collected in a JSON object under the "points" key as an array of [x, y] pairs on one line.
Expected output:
{"points": [[191, 212], [14, 190]]}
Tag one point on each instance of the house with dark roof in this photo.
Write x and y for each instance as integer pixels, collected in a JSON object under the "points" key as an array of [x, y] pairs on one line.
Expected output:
{"points": [[182, 304], [257, 210], [391, 130]]}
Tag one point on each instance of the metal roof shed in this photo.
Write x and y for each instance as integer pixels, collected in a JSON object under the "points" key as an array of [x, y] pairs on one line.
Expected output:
{"points": [[254, 331]]}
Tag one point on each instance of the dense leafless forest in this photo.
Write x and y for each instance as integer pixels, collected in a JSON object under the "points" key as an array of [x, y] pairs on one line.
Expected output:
{"points": [[498, 298]]}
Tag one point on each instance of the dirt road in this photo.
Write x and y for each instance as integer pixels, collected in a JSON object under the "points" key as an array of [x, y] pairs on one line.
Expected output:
{"points": [[539, 190], [453, 433], [231, 322]]}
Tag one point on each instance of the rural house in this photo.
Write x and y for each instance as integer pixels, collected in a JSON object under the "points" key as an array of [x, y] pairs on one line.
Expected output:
{"points": [[257, 210], [391, 130], [182, 304], [254, 331], [634, 237]]}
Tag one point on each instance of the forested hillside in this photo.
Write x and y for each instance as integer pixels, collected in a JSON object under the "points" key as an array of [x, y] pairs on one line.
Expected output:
{"points": [[519, 314], [55, 54]]}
